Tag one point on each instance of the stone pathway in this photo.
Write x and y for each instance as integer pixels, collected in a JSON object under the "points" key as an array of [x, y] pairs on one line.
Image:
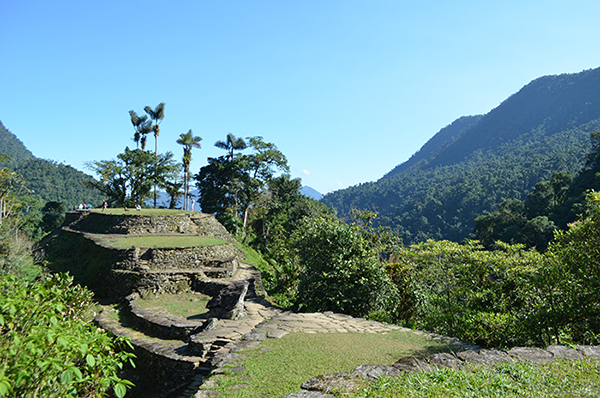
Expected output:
{"points": [[276, 323]]}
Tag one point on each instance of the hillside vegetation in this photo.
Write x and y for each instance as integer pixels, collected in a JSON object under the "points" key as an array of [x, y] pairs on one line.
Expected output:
{"points": [[475, 163], [46, 179]]}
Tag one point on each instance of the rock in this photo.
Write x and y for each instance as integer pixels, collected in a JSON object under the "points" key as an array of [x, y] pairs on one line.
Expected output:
{"points": [[308, 394], [560, 351], [229, 303], [492, 357], [339, 382], [276, 334], [470, 356], [206, 394], [259, 335], [373, 372], [413, 365], [532, 354], [444, 360], [590, 351]]}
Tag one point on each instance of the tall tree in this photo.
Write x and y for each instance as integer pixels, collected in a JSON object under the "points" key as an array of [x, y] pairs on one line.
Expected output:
{"points": [[128, 180], [142, 127], [231, 144], [230, 185], [156, 115], [189, 142]]}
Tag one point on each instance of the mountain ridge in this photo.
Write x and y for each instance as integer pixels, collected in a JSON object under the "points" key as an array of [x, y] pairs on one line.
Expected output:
{"points": [[476, 162]]}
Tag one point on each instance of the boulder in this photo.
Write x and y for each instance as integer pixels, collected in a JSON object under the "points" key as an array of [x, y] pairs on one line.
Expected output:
{"points": [[229, 303], [589, 351]]}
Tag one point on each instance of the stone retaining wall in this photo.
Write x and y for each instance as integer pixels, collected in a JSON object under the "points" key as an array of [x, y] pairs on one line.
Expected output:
{"points": [[125, 282], [216, 256]]}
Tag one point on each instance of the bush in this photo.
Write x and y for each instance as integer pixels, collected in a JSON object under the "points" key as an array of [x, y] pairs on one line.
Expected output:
{"points": [[338, 270], [467, 292], [47, 346], [570, 284]]}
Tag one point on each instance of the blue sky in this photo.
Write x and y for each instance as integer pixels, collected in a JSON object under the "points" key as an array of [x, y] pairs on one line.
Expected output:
{"points": [[345, 89]]}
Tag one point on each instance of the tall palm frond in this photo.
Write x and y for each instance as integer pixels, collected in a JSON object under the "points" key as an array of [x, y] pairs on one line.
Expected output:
{"points": [[231, 144]]}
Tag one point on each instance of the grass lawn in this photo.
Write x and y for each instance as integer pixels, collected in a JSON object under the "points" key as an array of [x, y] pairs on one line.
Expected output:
{"points": [[280, 366], [189, 305], [165, 241]]}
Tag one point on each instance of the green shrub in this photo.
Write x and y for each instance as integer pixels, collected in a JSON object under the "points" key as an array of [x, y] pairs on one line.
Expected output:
{"points": [[464, 291], [339, 271], [47, 346]]}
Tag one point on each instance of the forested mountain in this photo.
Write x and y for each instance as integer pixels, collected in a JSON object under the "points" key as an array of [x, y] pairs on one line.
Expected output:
{"points": [[311, 192], [48, 180], [475, 163], [12, 146]]}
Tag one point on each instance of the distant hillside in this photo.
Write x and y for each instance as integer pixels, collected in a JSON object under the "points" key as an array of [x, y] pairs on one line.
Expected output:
{"points": [[47, 179], [10, 145], [445, 136], [311, 192], [477, 162]]}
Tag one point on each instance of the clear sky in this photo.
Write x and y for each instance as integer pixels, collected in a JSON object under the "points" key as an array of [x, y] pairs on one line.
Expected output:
{"points": [[346, 89]]}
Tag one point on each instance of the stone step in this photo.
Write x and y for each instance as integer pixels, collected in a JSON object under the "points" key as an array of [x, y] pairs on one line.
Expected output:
{"points": [[167, 364], [158, 322]]}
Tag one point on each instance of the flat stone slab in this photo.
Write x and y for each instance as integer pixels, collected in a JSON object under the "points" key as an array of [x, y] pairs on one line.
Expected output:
{"points": [[532, 354], [276, 334], [339, 382], [560, 351]]}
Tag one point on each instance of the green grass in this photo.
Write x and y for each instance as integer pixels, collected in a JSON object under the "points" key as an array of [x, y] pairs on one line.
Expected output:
{"points": [[165, 241], [280, 366], [189, 305], [143, 212], [559, 379]]}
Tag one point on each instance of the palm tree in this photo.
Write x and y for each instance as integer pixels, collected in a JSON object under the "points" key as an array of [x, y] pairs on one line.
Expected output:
{"points": [[188, 141], [142, 127], [156, 115], [231, 144]]}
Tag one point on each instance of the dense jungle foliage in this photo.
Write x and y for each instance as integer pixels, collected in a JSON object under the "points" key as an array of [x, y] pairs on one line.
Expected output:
{"points": [[47, 180], [474, 164], [550, 206]]}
